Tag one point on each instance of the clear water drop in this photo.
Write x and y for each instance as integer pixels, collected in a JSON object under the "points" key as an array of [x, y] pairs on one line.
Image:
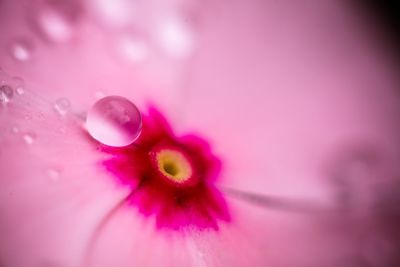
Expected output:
{"points": [[21, 50], [114, 121], [62, 106], [6, 93], [29, 138]]}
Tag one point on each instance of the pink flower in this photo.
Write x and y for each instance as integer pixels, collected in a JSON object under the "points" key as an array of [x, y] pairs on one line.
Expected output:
{"points": [[294, 100]]}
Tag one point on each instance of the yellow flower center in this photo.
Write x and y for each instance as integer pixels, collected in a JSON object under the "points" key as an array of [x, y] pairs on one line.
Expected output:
{"points": [[174, 165]]}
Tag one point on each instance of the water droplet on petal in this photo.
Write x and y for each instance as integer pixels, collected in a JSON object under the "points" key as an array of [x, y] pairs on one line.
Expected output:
{"points": [[56, 20], [6, 93], [19, 90], [21, 50], [62, 106], [29, 138], [114, 121]]}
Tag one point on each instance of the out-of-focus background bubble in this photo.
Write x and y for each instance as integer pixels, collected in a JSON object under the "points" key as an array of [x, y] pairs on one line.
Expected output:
{"points": [[301, 97]]}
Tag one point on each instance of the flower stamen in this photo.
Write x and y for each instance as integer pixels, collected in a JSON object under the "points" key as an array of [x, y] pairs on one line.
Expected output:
{"points": [[174, 165]]}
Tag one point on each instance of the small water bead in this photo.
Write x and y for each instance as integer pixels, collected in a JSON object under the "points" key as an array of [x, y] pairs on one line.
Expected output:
{"points": [[6, 93], [19, 90], [18, 84], [114, 121], [29, 138], [62, 106], [21, 50]]}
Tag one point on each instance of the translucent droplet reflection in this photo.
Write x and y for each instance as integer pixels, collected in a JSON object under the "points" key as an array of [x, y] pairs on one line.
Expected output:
{"points": [[18, 85], [355, 175], [62, 106], [29, 138], [176, 37], [115, 13], [133, 49], [21, 50], [114, 121], [56, 20], [6, 93]]}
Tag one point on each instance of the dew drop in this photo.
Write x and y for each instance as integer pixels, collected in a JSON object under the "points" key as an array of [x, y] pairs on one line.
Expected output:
{"points": [[29, 138], [114, 121], [21, 50], [62, 106], [6, 93]]}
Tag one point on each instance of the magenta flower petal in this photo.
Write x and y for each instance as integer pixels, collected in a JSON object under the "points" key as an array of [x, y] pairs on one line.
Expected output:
{"points": [[291, 98], [52, 194], [172, 177]]}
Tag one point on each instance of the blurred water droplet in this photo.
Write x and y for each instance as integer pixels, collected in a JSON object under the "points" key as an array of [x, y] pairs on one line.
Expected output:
{"points": [[114, 121], [116, 13], [62, 106], [132, 48], [21, 50], [20, 90], [354, 175], [176, 37], [15, 129], [6, 93], [53, 174], [378, 251], [56, 20], [29, 138], [18, 85]]}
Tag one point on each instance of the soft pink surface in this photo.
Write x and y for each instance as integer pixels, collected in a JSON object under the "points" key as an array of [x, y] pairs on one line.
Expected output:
{"points": [[292, 96]]}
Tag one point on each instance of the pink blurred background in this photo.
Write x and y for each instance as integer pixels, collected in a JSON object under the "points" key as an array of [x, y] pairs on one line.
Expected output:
{"points": [[299, 98]]}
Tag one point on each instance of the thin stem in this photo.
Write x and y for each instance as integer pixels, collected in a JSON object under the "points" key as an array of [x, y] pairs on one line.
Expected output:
{"points": [[276, 202]]}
